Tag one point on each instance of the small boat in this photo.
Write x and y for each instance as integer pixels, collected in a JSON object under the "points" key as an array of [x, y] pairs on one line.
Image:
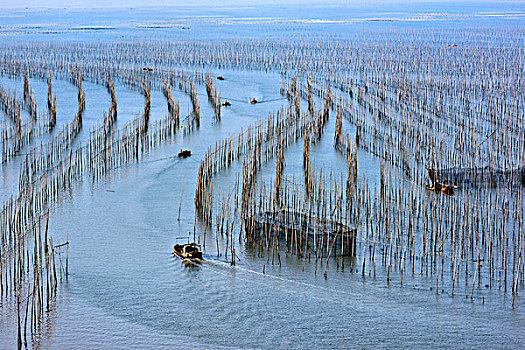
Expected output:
{"points": [[226, 103], [184, 153], [253, 101], [439, 187], [220, 78], [188, 251], [448, 190], [147, 69]]}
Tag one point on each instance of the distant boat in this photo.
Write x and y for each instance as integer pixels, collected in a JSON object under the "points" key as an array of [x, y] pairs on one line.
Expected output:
{"points": [[439, 187], [452, 45], [226, 103], [187, 251], [253, 101], [220, 78], [147, 69], [184, 153]]}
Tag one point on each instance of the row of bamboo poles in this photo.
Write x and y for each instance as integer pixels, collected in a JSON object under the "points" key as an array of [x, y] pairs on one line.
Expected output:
{"points": [[414, 137], [402, 217], [387, 134], [30, 264], [257, 145], [213, 96], [413, 105], [357, 57], [18, 134]]}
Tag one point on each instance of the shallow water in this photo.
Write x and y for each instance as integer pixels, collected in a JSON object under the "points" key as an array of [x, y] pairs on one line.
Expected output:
{"points": [[126, 289]]}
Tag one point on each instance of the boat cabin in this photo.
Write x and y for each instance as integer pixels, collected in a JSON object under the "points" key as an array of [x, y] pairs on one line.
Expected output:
{"points": [[187, 251]]}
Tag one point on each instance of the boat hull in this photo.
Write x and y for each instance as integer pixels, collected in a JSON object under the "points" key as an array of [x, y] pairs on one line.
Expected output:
{"points": [[184, 154]]}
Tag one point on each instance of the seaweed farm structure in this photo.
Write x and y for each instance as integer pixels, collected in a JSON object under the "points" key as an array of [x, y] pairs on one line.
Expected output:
{"points": [[331, 173], [296, 225], [479, 177]]}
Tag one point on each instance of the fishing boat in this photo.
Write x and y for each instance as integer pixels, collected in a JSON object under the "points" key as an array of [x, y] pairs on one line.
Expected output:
{"points": [[439, 187], [184, 153], [253, 101], [188, 251]]}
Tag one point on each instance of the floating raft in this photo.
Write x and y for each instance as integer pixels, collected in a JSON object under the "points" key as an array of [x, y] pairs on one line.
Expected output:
{"points": [[478, 176], [296, 225]]}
